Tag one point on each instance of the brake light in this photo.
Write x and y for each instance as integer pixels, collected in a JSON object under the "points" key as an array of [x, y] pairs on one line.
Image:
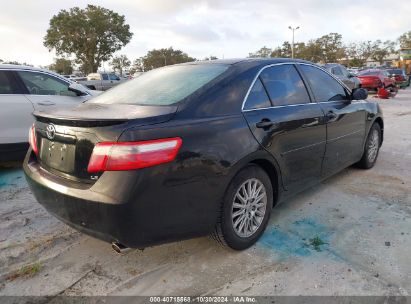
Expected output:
{"points": [[118, 156], [33, 140]]}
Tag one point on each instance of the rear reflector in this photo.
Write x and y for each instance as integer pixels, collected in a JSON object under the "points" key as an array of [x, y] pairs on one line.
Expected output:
{"points": [[33, 140], [118, 156]]}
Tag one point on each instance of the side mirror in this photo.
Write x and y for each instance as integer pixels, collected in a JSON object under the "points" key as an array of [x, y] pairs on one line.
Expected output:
{"points": [[77, 88], [359, 94]]}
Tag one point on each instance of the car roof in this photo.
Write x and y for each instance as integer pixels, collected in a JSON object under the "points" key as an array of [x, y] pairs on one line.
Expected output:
{"points": [[247, 61], [30, 68], [19, 67], [25, 67]]}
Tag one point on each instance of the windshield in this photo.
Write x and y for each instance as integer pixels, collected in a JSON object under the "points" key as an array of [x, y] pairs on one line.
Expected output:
{"points": [[163, 86]]}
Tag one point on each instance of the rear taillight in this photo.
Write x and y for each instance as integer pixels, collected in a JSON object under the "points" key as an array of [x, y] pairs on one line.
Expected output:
{"points": [[33, 140], [118, 156]]}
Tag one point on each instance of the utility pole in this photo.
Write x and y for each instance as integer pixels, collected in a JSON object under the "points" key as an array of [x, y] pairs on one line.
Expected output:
{"points": [[292, 43], [165, 59]]}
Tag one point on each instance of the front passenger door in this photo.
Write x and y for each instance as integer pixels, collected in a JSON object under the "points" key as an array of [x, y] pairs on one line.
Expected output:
{"points": [[345, 120], [285, 122]]}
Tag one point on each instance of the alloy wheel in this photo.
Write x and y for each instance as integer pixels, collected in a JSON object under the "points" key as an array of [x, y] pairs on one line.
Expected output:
{"points": [[373, 145], [249, 207]]}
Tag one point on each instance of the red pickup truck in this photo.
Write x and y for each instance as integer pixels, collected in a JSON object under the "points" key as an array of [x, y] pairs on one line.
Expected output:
{"points": [[373, 79]]}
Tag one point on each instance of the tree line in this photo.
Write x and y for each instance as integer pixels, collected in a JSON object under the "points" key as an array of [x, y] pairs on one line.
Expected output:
{"points": [[93, 34], [330, 48]]}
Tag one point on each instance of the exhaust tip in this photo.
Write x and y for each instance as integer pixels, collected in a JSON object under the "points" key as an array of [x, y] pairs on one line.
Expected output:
{"points": [[119, 248]]}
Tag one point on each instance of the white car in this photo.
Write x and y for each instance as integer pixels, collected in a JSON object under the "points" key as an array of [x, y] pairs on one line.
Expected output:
{"points": [[26, 89]]}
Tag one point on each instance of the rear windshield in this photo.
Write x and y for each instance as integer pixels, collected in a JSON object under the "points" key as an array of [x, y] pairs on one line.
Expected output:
{"points": [[368, 73], [163, 86]]}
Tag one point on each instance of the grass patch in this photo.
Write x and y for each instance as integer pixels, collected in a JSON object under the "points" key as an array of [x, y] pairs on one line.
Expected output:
{"points": [[25, 271], [316, 242]]}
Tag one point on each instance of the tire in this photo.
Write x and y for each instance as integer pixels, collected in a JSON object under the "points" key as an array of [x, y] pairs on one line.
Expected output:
{"points": [[393, 91], [371, 148], [231, 231]]}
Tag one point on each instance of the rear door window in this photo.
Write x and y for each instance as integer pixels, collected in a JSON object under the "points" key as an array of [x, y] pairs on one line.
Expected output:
{"points": [[114, 77], [104, 76], [337, 71], [44, 84], [324, 87], [257, 98], [284, 85], [6, 83]]}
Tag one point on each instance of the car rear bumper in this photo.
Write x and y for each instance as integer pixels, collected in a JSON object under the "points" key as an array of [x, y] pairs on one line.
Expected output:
{"points": [[136, 219]]}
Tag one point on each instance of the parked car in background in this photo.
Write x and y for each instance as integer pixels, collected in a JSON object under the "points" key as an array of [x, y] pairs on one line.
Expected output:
{"points": [[353, 70], [373, 79], [198, 148], [350, 80], [26, 89], [102, 81], [75, 78], [401, 78]]}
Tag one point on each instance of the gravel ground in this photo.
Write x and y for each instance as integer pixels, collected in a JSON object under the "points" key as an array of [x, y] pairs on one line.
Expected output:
{"points": [[362, 217]]}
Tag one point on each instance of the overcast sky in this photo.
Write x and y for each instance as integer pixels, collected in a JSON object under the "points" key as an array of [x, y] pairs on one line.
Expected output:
{"points": [[229, 28]]}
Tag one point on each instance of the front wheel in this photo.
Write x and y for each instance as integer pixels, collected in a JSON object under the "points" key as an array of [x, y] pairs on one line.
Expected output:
{"points": [[246, 209], [372, 147]]}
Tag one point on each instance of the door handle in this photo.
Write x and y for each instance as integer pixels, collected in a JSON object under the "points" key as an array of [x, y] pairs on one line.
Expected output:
{"points": [[46, 103], [265, 124], [331, 115]]}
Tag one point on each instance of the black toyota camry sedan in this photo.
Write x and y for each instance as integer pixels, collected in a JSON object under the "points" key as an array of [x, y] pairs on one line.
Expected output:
{"points": [[198, 148]]}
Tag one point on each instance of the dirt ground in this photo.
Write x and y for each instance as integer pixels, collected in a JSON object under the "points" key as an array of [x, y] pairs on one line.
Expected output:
{"points": [[361, 217]]}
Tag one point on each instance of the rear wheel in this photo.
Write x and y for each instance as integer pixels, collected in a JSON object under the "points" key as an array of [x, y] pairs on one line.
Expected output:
{"points": [[372, 147], [393, 90], [246, 209]]}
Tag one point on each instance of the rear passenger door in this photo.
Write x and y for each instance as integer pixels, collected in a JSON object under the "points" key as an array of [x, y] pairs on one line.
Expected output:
{"points": [[16, 109], [345, 119], [46, 91], [285, 122]]}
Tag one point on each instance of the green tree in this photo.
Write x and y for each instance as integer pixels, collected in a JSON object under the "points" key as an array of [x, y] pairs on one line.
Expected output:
{"points": [[405, 40], [359, 52], [137, 66], [261, 53], [382, 50], [331, 47], [62, 66], [211, 58], [161, 57], [120, 63], [92, 34], [16, 63], [311, 51]]}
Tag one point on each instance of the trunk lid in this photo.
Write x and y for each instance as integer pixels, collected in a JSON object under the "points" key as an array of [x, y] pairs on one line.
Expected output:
{"points": [[66, 137]]}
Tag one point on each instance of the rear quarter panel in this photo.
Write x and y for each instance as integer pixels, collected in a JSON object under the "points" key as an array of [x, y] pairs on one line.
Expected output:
{"points": [[193, 186]]}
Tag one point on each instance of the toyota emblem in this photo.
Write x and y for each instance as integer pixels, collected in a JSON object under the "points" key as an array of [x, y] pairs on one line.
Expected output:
{"points": [[51, 131]]}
